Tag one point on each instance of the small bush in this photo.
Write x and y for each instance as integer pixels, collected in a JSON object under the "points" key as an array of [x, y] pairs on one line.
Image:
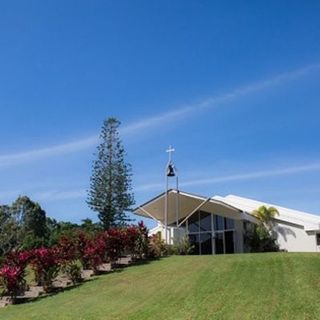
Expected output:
{"points": [[82, 242], [142, 241], [67, 250], [115, 243], [93, 255], [184, 247], [73, 270], [46, 265], [12, 279], [12, 272], [157, 247]]}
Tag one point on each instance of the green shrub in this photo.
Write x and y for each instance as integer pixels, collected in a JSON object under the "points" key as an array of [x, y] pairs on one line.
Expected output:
{"points": [[184, 247], [259, 239], [157, 247], [73, 271]]}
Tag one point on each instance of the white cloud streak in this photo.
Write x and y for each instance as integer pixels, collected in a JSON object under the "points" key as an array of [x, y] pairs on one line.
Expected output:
{"points": [[158, 120], [57, 195], [256, 175], [27, 156], [239, 177]]}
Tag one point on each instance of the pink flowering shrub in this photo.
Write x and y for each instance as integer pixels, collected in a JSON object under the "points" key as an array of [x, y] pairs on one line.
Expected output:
{"points": [[131, 237], [82, 242], [18, 258], [115, 240], [67, 250], [46, 264], [68, 255], [94, 253], [12, 278], [91, 251], [12, 273]]}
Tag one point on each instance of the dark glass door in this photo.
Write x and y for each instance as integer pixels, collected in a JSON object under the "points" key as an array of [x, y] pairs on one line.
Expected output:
{"points": [[194, 241], [229, 243], [219, 243], [206, 243]]}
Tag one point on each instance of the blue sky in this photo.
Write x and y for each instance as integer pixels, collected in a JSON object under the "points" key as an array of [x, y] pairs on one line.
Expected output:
{"points": [[232, 85]]}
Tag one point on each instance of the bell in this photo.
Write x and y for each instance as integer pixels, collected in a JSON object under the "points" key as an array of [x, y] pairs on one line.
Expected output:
{"points": [[170, 171]]}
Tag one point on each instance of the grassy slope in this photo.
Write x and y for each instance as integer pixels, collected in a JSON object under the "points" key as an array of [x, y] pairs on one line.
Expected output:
{"points": [[247, 286]]}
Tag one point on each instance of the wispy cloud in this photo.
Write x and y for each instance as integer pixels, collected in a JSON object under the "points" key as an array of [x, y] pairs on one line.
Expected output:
{"points": [[161, 119], [80, 193], [48, 195], [238, 177], [256, 175], [55, 195], [26, 156]]}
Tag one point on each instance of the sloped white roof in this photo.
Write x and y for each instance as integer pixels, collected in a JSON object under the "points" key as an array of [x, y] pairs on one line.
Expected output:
{"points": [[181, 204], [308, 221]]}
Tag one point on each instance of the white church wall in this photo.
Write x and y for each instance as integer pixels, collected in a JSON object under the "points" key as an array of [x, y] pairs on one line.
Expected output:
{"points": [[294, 238]]}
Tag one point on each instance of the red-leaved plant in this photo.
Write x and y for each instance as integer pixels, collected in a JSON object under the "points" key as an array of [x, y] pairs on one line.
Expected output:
{"points": [[91, 251], [68, 255], [67, 250], [82, 242], [12, 273], [12, 278], [142, 242], [131, 237], [115, 243], [46, 264]]}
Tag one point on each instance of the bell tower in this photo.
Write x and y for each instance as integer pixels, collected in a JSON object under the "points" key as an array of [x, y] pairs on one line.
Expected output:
{"points": [[170, 172]]}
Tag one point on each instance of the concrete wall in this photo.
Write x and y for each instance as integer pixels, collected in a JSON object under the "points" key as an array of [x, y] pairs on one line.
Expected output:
{"points": [[294, 238]]}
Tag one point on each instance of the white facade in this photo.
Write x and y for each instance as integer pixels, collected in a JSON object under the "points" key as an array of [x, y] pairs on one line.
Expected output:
{"points": [[295, 231]]}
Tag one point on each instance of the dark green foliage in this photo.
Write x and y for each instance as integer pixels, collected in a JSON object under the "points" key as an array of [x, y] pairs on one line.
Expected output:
{"points": [[24, 225], [110, 188], [31, 219], [61, 228], [73, 270], [9, 230], [88, 226], [259, 239]]}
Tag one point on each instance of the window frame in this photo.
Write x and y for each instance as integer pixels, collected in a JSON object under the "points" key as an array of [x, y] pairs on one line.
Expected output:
{"points": [[213, 231]]}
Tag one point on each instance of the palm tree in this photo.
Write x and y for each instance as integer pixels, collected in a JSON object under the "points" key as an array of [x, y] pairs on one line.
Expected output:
{"points": [[265, 215]]}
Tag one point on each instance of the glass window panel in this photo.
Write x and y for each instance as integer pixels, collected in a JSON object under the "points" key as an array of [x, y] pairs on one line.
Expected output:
{"points": [[205, 221], [229, 223], [206, 243], [219, 223], [228, 235], [219, 243], [194, 241], [193, 223]]}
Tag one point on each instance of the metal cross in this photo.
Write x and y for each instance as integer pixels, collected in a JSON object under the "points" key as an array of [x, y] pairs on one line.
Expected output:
{"points": [[170, 150]]}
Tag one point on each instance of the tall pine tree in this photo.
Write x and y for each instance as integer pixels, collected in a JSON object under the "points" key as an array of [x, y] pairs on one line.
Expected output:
{"points": [[110, 185]]}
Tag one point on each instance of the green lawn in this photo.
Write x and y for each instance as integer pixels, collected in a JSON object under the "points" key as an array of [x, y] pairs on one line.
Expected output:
{"points": [[246, 286]]}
